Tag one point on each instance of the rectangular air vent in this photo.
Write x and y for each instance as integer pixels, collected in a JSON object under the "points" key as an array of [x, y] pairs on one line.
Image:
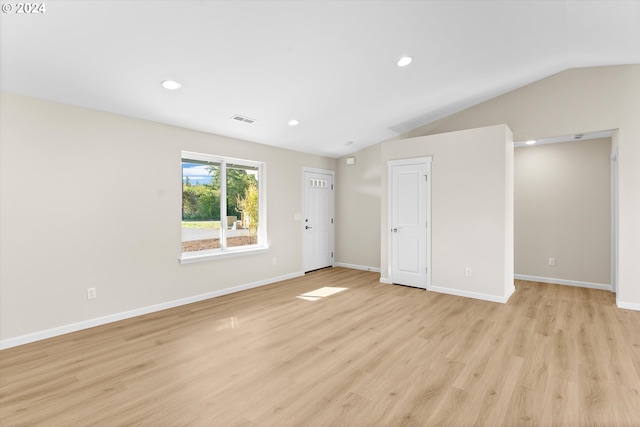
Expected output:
{"points": [[243, 119]]}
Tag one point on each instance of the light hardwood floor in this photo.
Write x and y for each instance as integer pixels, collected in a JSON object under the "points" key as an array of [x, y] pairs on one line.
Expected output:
{"points": [[372, 355]]}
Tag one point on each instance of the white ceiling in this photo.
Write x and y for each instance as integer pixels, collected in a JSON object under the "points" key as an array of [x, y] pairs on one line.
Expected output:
{"points": [[566, 138], [329, 64]]}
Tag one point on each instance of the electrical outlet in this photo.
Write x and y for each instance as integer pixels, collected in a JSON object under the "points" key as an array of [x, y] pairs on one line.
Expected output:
{"points": [[467, 271], [91, 293], [552, 261]]}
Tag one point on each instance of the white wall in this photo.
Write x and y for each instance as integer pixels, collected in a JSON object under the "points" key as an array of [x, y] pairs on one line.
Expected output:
{"points": [[358, 210], [92, 199], [471, 209], [574, 101], [67, 172], [562, 210]]}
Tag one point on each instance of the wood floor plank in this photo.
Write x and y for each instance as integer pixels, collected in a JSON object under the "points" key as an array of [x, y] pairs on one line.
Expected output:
{"points": [[371, 355]]}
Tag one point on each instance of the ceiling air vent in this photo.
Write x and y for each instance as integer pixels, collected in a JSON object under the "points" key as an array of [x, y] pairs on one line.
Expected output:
{"points": [[242, 119]]}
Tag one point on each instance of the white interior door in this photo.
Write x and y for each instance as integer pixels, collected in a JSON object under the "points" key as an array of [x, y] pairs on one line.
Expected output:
{"points": [[408, 183], [317, 225]]}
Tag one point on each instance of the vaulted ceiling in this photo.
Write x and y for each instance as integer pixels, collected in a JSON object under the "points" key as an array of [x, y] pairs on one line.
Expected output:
{"points": [[331, 65]]}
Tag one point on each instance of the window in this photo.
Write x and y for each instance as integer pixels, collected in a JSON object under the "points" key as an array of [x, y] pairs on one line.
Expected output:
{"points": [[223, 207]]}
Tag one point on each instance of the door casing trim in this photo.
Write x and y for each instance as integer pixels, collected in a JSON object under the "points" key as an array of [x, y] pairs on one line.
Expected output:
{"points": [[333, 203], [401, 162]]}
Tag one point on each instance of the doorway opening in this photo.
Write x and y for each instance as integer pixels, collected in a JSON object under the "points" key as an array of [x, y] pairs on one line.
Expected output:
{"points": [[565, 210]]}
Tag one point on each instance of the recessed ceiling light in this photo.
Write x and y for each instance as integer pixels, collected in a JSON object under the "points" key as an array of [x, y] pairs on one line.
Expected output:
{"points": [[404, 61], [171, 85], [293, 122], [531, 142]]}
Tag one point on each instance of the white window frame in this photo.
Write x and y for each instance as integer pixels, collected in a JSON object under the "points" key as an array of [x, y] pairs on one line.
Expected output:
{"points": [[224, 251]]}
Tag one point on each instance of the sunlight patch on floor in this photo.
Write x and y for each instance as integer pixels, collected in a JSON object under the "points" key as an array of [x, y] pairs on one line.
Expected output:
{"points": [[321, 293]]}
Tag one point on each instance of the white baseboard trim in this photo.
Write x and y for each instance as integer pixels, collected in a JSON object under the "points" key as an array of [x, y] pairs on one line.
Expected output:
{"points": [[356, 267], [628, 305], [85, 324], [590, 285], [510, 292], [460, 293], [474, 295]]}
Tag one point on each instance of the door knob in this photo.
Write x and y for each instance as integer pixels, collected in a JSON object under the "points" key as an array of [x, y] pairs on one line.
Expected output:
{"points": [[306, 227], [395, 230]]}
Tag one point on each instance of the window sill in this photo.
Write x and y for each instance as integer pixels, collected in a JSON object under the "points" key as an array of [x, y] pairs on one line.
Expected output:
{"points": [[188, 258]]}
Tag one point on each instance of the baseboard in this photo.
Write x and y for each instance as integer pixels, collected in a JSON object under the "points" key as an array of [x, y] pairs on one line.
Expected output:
{"points": [[474, 295], [466, 294], [356, 267], [73, 327], [628, 305], [510, 292], [590, 285]]}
